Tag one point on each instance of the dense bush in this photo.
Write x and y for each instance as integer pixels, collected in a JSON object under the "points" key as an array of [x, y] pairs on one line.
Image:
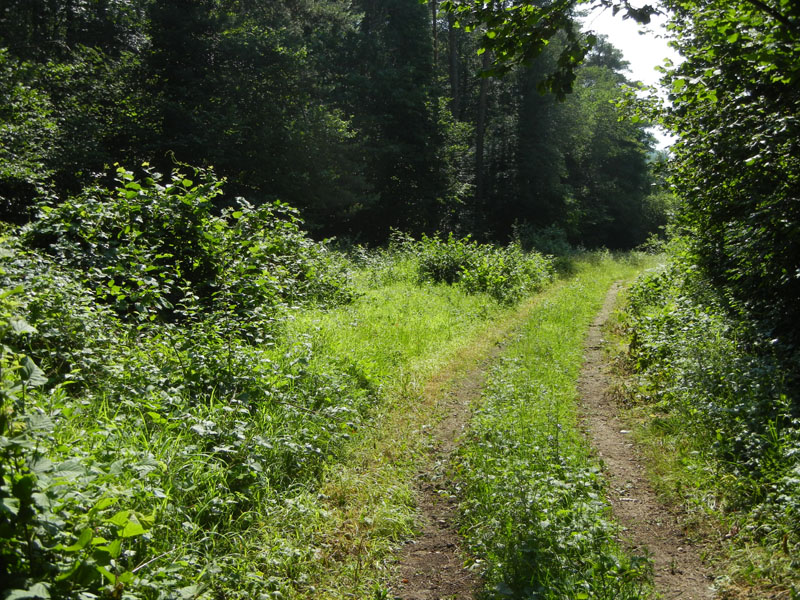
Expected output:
{"points": [[730, 383], [507, 274], [148, 402], [154, 247], [27, 129], [734, 104]]}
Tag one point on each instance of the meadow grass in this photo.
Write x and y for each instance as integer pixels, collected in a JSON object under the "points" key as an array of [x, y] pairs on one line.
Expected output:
{"points": [[208, 467], [401, 335]]}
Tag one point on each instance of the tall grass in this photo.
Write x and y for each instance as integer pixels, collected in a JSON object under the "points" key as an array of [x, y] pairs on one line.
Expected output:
{"points": [[203, 449]]}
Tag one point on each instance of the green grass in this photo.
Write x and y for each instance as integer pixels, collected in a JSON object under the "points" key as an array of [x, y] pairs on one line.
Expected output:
{"points": [[408, 339], [190, 462], [534, 515], [398, 330], [197, 464]]}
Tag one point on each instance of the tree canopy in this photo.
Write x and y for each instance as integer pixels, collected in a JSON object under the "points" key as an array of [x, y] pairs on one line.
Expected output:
{"points": [[364, 115], [734, 106]]}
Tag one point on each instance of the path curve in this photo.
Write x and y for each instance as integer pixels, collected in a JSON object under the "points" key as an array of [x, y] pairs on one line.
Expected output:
{"points": [[649, 526]]}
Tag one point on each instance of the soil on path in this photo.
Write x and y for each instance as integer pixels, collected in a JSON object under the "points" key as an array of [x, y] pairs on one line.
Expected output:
{"points": [[650, 527], [432, 566]]}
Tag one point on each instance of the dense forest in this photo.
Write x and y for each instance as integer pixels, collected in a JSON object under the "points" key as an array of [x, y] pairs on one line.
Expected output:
{"points": [[366, 116], [205, 396]]}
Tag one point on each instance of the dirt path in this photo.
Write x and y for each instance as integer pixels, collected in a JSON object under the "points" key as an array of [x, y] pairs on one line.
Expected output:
{"points": [[649, 526], [432, 565]]}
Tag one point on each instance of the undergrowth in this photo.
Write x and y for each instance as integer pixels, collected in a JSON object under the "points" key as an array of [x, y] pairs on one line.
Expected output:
{"points": [[507, 274], [182, 385], [719, 397], [534, 513]]}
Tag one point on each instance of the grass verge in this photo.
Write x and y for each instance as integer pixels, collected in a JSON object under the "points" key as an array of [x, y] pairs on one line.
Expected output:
{"points": [[711, 404]]}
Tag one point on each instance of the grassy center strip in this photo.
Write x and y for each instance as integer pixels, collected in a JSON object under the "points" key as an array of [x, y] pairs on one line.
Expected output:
{"points": [[534, 514], [368, 497]]}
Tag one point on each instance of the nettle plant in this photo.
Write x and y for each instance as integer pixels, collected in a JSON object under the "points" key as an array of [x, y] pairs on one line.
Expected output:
{"points": [[62, 526]]}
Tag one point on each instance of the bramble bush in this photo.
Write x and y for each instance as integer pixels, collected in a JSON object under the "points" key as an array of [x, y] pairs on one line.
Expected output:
{"points": [[151, 412], [153, 248]]}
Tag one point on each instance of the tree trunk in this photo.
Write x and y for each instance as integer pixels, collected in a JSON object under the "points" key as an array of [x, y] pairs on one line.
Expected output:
{"points": [[435, 27], [480, 134], [452, 47]]}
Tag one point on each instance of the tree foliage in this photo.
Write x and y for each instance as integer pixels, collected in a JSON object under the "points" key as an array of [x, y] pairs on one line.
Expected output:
{"points": [[343, 109], [735, 106]]}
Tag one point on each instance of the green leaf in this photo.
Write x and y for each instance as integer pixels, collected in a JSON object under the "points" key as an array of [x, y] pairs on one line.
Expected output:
{"points": [[41, 465], [120, 519], [69, 469], [114, 549], [37, 590], [9, 506], [107, 574], [83, 541], [20, 326], [41, 423], [71, 571], [157, 418], [191, 591], [132, 528], [102, 504], [31, 374], [126, 577]]}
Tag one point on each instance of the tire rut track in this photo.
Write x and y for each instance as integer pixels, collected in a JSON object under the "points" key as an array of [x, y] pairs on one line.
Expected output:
{"points": [[431, 567], [649, 526]]}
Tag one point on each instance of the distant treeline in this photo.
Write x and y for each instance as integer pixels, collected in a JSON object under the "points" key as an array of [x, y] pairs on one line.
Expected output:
{"points": [[366, 115]]}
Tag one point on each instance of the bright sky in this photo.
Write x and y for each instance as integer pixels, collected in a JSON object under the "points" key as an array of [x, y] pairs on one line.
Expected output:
{"points": [[644, 47]]}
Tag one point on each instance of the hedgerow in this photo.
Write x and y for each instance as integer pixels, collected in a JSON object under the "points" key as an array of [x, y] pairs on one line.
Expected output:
{"points": [[729, 386]]}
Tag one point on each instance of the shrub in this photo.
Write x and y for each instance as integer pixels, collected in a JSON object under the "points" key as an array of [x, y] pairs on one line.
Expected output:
{"points": [[730, 383], [444, 261], [153, 248], [190, 416], [507, 274]]}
